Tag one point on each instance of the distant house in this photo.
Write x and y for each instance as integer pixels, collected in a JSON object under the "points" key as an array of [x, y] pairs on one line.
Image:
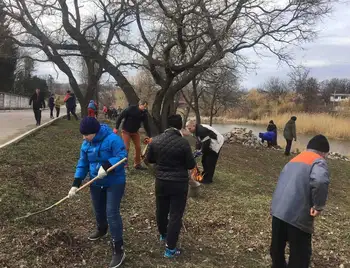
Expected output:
{"points": [[339, 97]]}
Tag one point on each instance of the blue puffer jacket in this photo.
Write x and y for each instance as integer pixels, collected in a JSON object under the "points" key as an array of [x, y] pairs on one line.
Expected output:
{"points": [[106, 146], [267, 136]]}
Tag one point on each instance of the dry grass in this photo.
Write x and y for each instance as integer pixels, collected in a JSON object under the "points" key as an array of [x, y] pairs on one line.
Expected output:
{"points": [[335, 127], [227, 226]]}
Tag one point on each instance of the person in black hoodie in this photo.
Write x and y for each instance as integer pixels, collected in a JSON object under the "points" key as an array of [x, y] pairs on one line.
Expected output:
{"points": [[133, 116], [173, 158], [71, 104], [38, 104], [51, 105], [272, 127]]}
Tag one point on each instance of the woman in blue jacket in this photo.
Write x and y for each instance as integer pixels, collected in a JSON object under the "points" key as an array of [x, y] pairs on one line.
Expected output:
{"points": [[100, 150]]}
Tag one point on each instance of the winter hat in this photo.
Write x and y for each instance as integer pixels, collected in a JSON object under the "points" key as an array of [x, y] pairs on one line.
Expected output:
{"points": [[89, 125], [319, 143], [294, 118], [175, 121], [271, 122]]}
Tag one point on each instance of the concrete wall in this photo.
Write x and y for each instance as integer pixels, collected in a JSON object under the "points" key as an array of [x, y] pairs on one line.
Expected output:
{"points": [[12, 101]]}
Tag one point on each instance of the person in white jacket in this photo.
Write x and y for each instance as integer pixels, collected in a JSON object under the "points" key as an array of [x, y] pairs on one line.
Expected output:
{"points": [[209, 143]]}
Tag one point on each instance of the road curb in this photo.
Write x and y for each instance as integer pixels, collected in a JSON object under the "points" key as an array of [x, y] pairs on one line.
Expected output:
{"points": [[30, 132]]}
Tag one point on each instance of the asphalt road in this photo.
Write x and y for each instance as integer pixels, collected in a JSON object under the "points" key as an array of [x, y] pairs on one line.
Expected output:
{"points": [[16, 122]]}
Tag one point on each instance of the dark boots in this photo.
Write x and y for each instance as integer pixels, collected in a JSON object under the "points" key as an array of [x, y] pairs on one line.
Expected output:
{"points": [[97, 234], [118, 255]]}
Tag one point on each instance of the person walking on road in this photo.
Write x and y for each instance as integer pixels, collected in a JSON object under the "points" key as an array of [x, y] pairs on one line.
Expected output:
{"points": [[71, 104], [37, 99], [173, 158], [209, 143], [133, 116], [100, 150], [51, 105], [300, 196], [58, 104], [289, 134]]}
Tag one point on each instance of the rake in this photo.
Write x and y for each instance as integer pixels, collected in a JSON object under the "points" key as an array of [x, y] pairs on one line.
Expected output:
{"points": [[65, 198]]}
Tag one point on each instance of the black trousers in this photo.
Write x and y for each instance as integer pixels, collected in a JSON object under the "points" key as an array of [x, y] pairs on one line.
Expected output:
{"points": [[71, 111], [51, 111], [288, 147], [171, 198], [209, 160], [37, 115], [58, 109], [299, 244]]}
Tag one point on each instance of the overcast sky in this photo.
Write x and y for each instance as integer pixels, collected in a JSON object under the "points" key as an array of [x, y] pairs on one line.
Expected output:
{"points": [[327, 57]]}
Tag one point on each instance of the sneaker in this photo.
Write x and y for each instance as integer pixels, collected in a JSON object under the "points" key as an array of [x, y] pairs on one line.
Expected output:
{"points": [[162, 238], [118, 256], [97, 235], [140, 167], [171, 253]]}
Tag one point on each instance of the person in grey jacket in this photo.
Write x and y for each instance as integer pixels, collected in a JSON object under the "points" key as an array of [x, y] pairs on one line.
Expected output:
{"points": [[300, 196], [289, 134]]}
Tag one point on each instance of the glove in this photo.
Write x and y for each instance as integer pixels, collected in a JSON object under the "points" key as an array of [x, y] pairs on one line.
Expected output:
{"points": [[101, 173], [72, 191], [197, 153], [115, 131]]}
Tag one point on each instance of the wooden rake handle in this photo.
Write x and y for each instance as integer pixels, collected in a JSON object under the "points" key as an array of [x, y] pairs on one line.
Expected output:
{"points": [[67, 197], [97, 178]]}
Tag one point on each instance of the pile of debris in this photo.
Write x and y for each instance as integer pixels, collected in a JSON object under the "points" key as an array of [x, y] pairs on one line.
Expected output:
{"points": [[337, 156], [243, 136]]}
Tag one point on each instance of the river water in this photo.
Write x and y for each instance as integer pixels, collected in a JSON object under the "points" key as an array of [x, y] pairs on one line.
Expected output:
{"points": [[338, 146]]}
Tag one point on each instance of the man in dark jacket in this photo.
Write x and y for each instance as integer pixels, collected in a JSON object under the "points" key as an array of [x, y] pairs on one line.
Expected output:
{"points": [[71, 104], [300, 196], [51, 105], [38, 104], [289, 134], [209, 142], [172, 156], [133, 116]]}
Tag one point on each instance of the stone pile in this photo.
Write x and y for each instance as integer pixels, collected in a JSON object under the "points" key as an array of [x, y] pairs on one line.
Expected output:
{"points": [[243, 136], [337, 156]]}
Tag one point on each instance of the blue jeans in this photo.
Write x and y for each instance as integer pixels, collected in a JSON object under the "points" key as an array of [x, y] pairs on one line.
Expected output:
{"points": [[106, 203]]}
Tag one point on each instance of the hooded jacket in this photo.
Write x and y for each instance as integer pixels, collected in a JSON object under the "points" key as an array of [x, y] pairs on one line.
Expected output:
{"points": [[303, 184], [289, 132], [106, 146]]}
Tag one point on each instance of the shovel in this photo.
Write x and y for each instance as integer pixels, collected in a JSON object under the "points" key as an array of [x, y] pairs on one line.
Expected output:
{"points": [[65, 198]]}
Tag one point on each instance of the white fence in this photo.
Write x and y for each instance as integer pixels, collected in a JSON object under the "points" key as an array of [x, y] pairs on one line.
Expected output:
{"points": [[11, 101]]}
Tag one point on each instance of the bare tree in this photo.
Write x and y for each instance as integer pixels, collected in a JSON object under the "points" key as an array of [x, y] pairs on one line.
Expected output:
{"points": [[168, 29], [305, 86], [275, 88], [221, 91], [60, 36]]}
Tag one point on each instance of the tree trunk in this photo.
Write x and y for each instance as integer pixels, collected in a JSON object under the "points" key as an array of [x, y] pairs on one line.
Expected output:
{"points": [[196, 101], [187, 113], [212, 103]]}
